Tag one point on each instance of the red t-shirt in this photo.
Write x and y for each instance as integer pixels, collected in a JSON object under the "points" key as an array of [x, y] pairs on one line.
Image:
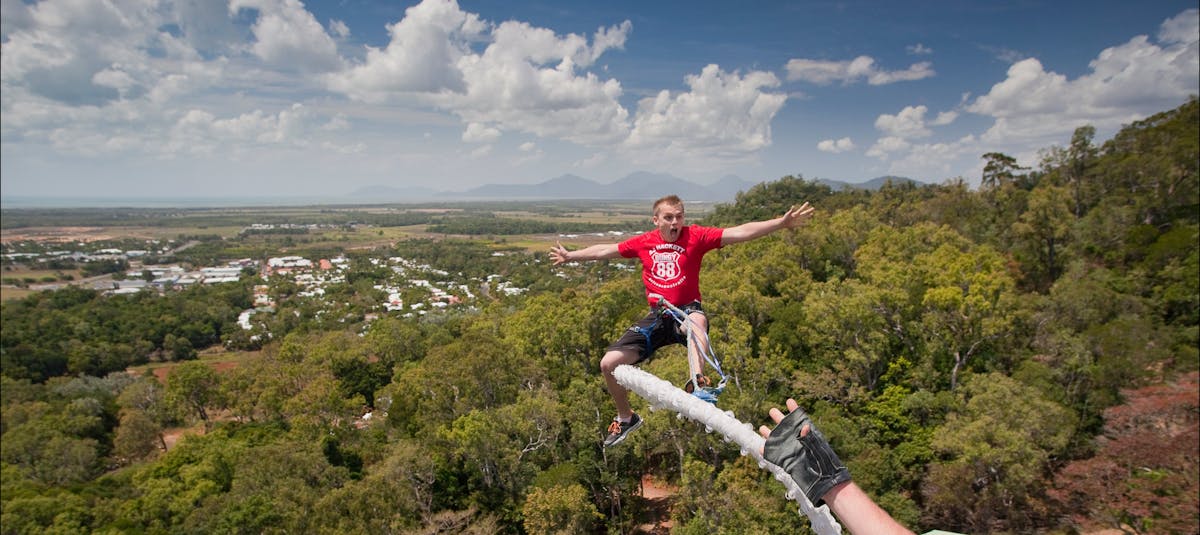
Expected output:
{"points": [[672, 270]]}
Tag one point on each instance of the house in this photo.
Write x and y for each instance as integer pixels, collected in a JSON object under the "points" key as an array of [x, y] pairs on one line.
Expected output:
{"points": [[130, 284], [221, 273], [289, 262]]}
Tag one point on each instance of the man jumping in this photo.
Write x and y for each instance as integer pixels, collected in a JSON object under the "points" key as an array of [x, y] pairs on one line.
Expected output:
{"points": [[671, 256]]}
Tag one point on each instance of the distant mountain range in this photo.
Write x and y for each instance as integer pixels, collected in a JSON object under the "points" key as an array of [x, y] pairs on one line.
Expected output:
{"points": [[640, 185]]}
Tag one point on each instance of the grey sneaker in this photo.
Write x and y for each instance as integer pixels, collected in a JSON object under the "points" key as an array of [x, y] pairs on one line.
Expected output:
{"points": [[617, 431]]}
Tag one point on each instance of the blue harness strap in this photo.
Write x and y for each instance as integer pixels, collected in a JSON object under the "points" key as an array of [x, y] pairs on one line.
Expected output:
{"points": [[706, 393], [645, 332]]}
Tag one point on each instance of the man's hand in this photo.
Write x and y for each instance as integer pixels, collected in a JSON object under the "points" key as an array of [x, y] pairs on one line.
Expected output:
{"points": [[797, 215], [558, 253], [802, 451]]}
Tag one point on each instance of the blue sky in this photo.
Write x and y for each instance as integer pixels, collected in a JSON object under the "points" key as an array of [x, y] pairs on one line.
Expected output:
{"points": [[132, 98]]}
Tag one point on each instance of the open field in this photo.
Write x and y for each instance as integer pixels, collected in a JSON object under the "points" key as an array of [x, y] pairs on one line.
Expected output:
{"points": [[19, 271], [10, 292], [73, 234], [216, 357], [32, 279]]}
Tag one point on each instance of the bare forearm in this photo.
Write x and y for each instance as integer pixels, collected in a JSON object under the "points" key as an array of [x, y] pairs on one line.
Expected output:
{"points": [[795, 216], [599, 251], [859, 514], [750, 231]]}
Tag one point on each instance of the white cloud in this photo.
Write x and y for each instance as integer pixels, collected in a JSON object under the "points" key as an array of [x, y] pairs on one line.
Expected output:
{"points": [[295, 128], [908, 124], [480, 133], [15, 16], [935, 161], [1127, 82], [919, 49], [722, 116], [337, 123], [141, 82], [83, 53], [945, 118], [525, 79], [530, 152], [887, 145], [591, 162], [289, 37], [1033, 108], [836, 146], [159, 80], [900, 129], [528, 79], [847, 72], [339, 28], [114, 78], [421, 57], [481, 152], [1181, 28]]}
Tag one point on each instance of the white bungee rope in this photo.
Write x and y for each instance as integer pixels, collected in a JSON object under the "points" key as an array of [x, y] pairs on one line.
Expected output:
{"points": [[662, 394]]}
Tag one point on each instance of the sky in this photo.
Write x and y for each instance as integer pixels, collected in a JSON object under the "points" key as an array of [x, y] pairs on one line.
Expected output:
{"points": [[208, 98]]}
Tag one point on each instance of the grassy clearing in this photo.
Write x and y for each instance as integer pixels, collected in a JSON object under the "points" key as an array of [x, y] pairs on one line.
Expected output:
{"points": [[20, 271], [9, 292], [171, 233], [216, 357]]}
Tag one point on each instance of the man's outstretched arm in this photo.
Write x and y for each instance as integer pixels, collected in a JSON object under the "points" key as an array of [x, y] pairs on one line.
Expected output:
{"points": [[600, 251], [795, 216]]}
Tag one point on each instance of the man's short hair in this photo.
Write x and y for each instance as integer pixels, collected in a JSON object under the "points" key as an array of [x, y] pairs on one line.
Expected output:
{"points": [[672, 200]]}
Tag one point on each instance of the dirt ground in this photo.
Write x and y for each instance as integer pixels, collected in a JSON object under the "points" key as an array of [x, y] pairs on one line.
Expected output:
{"points": [[658, 495]]}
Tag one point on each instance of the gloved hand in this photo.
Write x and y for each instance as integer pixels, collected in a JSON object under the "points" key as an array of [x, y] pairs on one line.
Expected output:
{"points": [[809, 459]]}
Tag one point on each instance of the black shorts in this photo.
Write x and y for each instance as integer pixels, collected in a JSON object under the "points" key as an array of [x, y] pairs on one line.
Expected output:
{"points": [[656, 329]]}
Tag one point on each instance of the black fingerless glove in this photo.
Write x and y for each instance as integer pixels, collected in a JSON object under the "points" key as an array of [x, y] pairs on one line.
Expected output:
{"points": [[809, 459]]}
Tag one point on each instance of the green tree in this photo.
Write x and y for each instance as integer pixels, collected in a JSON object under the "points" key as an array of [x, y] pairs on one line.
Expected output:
{"points": [[194, 387], [1151, 165], [273, 489], [260, 389], [475, 371], [395, 494], [736, 499], [320, 406], [41, 510], [45, 453], [1042, 233], [999, 171], [505, 445], [1081, 157], [968, 303], [853, 330], [178, 347], [559, 510], [395, 341], [169, 491], [992, 454], [137, 436], [147, 397]]}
